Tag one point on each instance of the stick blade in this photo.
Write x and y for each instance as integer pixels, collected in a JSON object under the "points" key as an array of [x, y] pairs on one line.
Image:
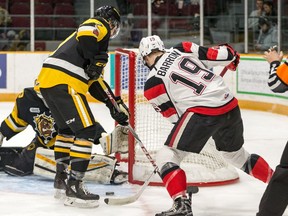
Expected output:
{"points": [[119, 201]]}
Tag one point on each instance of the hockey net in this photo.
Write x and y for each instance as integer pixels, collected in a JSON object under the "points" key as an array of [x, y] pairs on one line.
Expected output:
{"points": [[206, 168]]}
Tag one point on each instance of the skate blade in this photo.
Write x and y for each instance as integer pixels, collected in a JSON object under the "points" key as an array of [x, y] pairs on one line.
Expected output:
{"points": [[60, 194], [80, 203]]}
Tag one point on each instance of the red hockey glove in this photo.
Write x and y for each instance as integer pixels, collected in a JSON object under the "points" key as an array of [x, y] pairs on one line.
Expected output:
{"points": [[234, 64]]}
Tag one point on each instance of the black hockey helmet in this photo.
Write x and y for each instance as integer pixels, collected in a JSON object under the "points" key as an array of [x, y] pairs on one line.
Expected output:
{"points": [[112, 15]]}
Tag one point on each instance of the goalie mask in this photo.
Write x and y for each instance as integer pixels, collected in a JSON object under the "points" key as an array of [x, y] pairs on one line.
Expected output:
{"points": [[112, 15], [150, 44]]}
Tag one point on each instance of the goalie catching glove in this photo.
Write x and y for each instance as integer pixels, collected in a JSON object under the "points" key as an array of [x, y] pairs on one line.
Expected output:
{"points": [[121, 116], [117, 141], [94, 70]]}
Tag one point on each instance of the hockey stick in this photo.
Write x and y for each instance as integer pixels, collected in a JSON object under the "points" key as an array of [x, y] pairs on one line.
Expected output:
{"points": [[223, 72], [130, 199], [133, 198]]}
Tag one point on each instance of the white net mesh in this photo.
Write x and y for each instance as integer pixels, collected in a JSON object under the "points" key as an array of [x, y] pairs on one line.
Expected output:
{"points": [[204, 168]]}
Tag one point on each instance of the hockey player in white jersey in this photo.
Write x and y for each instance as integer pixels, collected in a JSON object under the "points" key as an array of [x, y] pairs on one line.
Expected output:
{"points": [[182, 88]]}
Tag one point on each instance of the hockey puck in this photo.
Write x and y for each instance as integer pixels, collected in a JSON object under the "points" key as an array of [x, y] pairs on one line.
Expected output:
{"points": [[110, 193]]}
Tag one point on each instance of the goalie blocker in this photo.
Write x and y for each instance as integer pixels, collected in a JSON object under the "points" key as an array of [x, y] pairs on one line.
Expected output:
{"points": [[101, 168]]}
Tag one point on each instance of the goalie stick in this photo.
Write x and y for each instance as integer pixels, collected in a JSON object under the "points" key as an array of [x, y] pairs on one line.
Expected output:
{"points": [[133, 198]]}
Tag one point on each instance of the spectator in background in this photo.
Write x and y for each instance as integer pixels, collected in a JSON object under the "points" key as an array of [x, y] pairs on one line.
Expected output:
{"points": [[5, 19], [156, 5], [268, 35], [159, 9], [127, 33], [124, 6], [181, 3], [270, 11], [20, 41], [254, 16]]}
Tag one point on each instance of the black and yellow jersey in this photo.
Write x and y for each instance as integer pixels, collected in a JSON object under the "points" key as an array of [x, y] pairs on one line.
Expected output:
{"points": [[29, 109], [67, 63]]}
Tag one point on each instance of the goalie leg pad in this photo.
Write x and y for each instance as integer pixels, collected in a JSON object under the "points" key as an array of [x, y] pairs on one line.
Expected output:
{"points": [[102, 170], [45, 164], [117, 141]]}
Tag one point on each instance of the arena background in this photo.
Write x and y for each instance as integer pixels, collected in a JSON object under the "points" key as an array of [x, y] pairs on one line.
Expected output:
{"points": [[249, 82]]}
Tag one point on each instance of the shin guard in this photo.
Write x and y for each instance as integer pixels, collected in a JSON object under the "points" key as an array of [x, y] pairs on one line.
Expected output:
{"points": [[174, 179], [257, 167]]}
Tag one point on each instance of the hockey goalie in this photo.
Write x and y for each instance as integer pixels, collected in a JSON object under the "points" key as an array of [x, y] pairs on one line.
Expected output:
{"points": [[38, 156], [101, 168], [18, 161]]}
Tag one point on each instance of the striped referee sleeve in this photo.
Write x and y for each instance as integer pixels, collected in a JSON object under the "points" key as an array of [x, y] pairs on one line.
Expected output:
{"points": [[278, 76]]}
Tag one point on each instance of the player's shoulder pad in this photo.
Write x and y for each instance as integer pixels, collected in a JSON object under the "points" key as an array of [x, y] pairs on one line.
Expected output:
{"points": [[96, 27]]}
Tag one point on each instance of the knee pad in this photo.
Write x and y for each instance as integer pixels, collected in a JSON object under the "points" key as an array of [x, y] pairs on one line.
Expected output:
{"points": [[90, 133], [236, 158]]}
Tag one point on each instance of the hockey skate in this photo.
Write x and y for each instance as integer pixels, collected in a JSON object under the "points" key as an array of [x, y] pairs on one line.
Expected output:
{"points": [[181, 207], [60, 185], [78, 196]]}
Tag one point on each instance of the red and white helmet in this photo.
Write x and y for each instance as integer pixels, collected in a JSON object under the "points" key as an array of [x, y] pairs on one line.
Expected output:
{"points": [[150, 44]]}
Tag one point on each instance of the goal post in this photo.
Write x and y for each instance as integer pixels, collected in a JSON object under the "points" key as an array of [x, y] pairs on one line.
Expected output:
{"points": [[205, 169]]}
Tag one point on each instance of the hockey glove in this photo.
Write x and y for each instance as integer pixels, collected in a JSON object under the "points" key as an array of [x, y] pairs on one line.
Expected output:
{"points": [[121, 116], [94, 70], [234, 64]]}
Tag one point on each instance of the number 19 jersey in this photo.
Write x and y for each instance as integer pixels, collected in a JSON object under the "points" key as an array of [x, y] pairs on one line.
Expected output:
{"points": [[180, 82]]}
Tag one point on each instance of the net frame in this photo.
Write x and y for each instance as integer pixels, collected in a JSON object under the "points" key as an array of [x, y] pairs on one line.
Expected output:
{"points": [[128, 67]]}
